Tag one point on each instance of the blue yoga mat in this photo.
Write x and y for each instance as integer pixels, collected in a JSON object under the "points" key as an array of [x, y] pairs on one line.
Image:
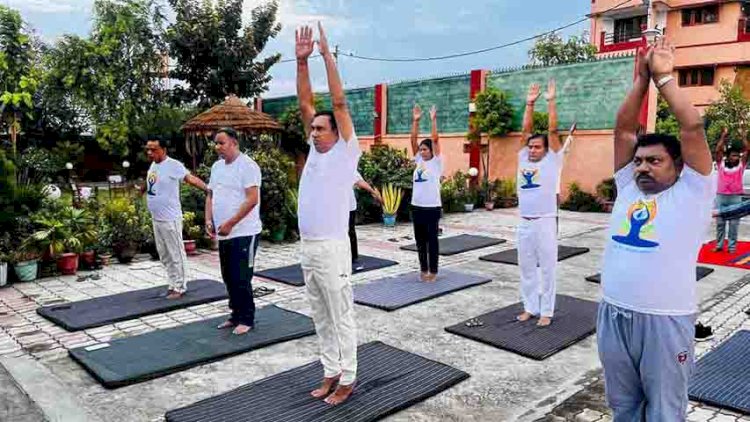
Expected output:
{"points": [[722, 376]]}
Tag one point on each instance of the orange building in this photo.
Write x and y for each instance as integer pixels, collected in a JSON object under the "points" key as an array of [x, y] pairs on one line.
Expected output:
{"points": [[712, 40]]}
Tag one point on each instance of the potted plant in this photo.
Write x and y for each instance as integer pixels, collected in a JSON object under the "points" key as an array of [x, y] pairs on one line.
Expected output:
{"points": [[607, 193], [505, 193], [126, 232], [391, 202], [26, 264], [5, 247], [487, 195], [62, 233], [191, 232]]}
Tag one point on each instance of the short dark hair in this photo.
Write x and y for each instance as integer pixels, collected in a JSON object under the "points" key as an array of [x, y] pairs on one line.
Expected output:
{"points": [[228, 131], [671, 143], [162, 141], [538, 136], [733, 149], [331, 117], [428, 143]]}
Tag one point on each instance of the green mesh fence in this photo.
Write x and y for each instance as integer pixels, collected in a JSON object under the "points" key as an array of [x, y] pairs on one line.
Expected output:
{"points": [[589, 93], [450, 95], [361, 102]]}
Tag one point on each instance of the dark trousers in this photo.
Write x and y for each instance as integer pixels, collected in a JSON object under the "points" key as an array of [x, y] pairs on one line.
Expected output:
{"points": [[426, 234], [237, 258], [353, 235]]}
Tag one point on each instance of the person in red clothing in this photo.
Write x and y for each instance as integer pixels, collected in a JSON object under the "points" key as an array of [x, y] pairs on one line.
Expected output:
{"points": [[730, 166]]}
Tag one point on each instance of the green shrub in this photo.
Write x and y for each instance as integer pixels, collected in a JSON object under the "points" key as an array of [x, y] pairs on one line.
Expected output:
{"points": [[581, 201], [607, 190], [278, 173], [381, 166]]}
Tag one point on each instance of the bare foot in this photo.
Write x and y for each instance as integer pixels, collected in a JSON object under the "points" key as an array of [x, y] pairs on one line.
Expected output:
{"points": [[340, 395], [241, 329], [424, 276], [325, 387], [225, 324], [431, 277], [524, 317], [544, 322], [173, 294]]}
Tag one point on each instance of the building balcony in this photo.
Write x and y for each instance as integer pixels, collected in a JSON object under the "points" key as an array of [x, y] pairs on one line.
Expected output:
{"points": [[743, 29], [621, 41]]}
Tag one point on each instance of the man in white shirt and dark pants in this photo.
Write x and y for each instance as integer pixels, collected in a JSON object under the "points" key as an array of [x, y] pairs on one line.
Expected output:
{"points": [[665, 192], [323, 213], [233, 213], [162, 191], [539, 164]]}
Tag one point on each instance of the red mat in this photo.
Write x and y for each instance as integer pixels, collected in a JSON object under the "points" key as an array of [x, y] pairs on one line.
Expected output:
{"points": [[739, 259]]}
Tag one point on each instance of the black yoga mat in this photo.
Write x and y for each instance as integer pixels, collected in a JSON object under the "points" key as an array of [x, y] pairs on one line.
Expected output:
{"points": [[461, 243], [406, 289], [388, 380], [722, 376], [574, 320], [292, 274], [700, 272], [139, 358], [511, 255], [105, 310]]}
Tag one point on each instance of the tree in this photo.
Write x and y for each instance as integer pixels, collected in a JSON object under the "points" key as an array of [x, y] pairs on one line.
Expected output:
{"points": [[215, 56], [666, 123], [494, 113], [732, 111], [551, 50], [19, 73], [113, 76]]}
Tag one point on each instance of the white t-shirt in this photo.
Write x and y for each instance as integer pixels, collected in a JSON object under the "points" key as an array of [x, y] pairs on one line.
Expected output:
{"points": [[163, 189], [537, 184], [228, 183], [325, 189], [426, 178], [653, 243], [353, 196]]}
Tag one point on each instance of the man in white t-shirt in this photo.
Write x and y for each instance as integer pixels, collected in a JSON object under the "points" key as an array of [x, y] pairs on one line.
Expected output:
{"points": [[360, 183], [665, 191], [162, 191], [233, 214], [323, 214], [539, 164]]}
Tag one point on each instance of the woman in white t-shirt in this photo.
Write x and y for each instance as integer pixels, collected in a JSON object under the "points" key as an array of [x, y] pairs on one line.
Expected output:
{"points": [[426, 205]]}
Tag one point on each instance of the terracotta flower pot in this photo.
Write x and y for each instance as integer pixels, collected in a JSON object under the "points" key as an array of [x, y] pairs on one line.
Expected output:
{"points": [[67, 263], [608, 206], [89, 258], [106, 258], [489, 205], [190, 247]]}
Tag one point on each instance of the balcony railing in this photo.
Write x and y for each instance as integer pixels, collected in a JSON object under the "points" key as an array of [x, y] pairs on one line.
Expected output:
{"points": [[619, 41]]}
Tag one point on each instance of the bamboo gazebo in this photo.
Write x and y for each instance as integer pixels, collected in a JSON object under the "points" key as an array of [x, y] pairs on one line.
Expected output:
{"points": [[234, 113]]}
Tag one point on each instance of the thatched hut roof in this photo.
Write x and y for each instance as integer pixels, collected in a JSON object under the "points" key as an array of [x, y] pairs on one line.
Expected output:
{"points": [[231, 113]]}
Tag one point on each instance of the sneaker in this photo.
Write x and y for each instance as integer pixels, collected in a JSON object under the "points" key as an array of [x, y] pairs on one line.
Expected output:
{"points": [[703, 333], [732, 250]]}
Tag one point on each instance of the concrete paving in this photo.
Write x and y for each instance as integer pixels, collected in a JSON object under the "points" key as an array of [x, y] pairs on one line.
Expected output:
{"points": [[503, 386]]}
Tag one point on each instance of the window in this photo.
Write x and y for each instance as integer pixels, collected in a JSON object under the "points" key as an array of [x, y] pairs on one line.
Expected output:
{"points": [[700, 15], [629, 28], [698, 76]]}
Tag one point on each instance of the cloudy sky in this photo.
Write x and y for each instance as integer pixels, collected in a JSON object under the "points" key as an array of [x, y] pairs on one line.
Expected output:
{"points": [[375, 28]]}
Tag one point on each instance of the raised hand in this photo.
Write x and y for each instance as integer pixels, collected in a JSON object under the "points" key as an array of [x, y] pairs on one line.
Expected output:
{"points": [[551, 93], [724, 131], [662, 58], [416, 112], [644, 59], [322, 41], [534, 92], [304, 43], [433, 113]]}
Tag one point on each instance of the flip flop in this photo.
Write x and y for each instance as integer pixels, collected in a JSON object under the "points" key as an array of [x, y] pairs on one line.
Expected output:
{"points": [[474, 322], [262, 291]]}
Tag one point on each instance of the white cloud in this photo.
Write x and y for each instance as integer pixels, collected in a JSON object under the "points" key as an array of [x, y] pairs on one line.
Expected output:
{"points": [[50, 6]]}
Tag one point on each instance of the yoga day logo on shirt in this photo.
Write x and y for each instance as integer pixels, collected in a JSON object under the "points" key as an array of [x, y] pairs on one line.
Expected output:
{"points": [[531, 177], [639, 230], [151, 181], [421, 171]]}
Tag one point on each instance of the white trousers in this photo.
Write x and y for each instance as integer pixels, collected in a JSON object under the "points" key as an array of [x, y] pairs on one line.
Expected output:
{"points": [[537, 252], [168, 238], [327, 267]]}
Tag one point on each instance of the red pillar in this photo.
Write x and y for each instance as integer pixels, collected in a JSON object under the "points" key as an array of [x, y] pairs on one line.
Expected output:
{"points": [[258, 105], [380, 108], [476, 85]]}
